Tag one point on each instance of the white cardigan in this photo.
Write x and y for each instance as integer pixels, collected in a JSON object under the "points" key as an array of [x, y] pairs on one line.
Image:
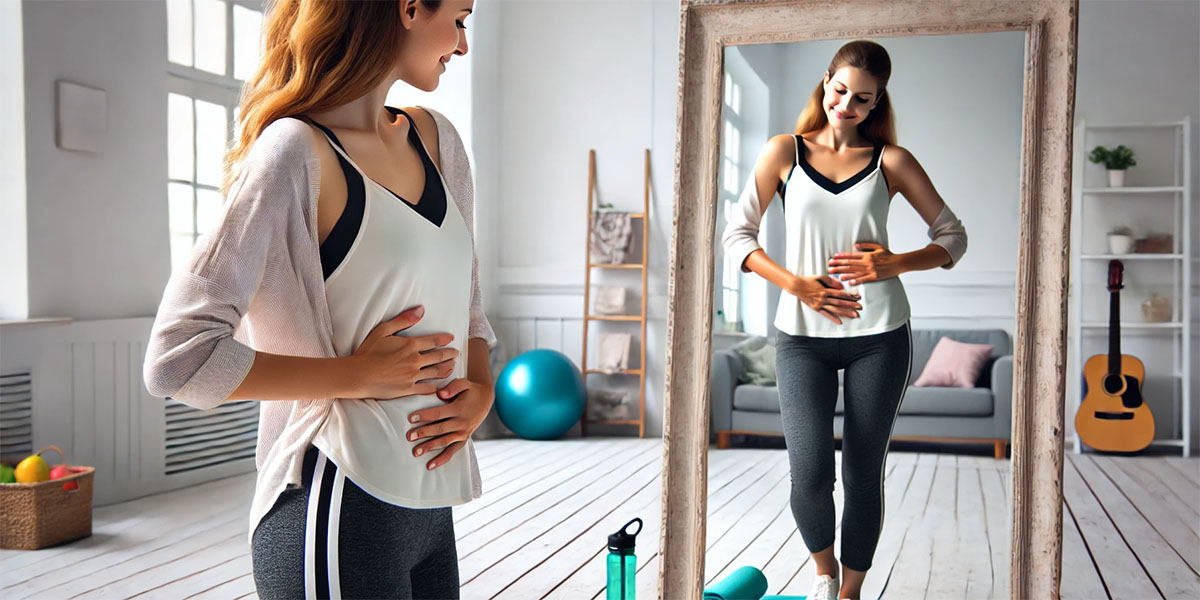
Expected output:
{"points": [[261, 261]]}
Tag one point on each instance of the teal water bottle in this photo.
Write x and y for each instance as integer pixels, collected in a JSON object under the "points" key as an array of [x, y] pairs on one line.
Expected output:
{"points": [[622, 564]]}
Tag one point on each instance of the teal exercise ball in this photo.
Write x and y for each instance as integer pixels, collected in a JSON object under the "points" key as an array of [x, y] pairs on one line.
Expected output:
{"points": [[540, 394]]}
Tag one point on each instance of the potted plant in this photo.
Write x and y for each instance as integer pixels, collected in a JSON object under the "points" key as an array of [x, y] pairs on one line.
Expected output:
{"points": [[1115, 160], [1120, 240]]}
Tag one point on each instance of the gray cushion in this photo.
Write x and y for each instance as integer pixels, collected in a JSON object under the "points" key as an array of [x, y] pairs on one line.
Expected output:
{"points": [[959, 402], [758, 398], [758, 361], [975, 402]]}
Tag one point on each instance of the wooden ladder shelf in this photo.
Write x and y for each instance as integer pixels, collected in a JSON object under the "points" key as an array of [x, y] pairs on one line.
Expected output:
{"points": [[588, 318]]}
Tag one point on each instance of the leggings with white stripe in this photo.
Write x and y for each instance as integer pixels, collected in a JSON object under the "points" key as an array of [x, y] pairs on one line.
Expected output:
{"points": [[331, 539], [877, 368]]}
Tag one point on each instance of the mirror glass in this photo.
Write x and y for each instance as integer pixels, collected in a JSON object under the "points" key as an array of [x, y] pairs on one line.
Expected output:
{"points": [[800, 480]]}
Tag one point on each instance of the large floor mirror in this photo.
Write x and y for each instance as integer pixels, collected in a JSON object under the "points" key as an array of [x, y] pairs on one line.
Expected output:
{"points": [[981, 97]]}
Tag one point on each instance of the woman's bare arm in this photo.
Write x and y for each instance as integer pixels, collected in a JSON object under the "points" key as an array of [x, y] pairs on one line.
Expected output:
{"points": [[911, 180]]}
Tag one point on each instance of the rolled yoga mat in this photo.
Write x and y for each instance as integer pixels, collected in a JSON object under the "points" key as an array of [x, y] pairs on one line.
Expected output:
{"points": [[746, 583]]}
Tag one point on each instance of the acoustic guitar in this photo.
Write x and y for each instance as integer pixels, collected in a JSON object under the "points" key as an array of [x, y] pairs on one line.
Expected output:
{"points": [[1113, 416]]}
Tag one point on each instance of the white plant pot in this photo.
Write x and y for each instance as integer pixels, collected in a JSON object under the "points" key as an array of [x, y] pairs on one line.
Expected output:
{"points": [[1119, 243], [1116, 178]]}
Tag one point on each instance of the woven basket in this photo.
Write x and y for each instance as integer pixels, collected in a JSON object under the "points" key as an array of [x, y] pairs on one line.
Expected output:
{"points": [[37, 515]]}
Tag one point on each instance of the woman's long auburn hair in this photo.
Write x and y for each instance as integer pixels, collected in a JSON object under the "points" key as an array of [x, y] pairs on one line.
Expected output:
{"points": [[880, 126], [316, 55]]}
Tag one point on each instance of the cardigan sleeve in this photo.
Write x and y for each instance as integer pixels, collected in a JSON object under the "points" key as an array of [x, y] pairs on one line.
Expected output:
{"points": [[457, 170], [947, 231], [192, 355]]}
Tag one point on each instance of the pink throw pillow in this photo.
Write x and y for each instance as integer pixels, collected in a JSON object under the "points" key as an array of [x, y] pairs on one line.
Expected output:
{"points": [[954, 364]]}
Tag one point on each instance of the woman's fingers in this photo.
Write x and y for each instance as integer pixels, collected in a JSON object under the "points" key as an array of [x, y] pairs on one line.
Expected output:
{"points": [[453, 389], [843, 302], [439, 355], [426, 343], [437, 443], [449, 424], [830, 316], [445, 456], [830, 282]]}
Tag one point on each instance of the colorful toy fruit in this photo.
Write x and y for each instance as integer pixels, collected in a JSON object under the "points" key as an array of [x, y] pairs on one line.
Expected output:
{"points": [[7, 475], [60, 471], [32, 470]]}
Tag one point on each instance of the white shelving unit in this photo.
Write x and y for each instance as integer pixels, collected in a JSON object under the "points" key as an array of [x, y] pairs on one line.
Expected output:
{"points": [[1086, 265]]}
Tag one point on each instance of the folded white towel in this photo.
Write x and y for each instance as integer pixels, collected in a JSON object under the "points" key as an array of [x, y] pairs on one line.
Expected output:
{"points": [[610, 300], [613, 352], [611, 234]]}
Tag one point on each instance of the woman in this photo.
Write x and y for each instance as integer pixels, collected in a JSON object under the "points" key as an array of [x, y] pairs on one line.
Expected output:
{"points": [[346, 245], [844, 307]]}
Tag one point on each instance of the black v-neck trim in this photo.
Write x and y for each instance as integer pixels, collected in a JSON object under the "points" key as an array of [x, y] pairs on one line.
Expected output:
{"points": [[432, 205], [828, 184]]}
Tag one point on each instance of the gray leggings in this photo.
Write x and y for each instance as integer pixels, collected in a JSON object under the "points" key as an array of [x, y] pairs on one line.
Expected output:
{"points": [[876, 374], [357, 546]]}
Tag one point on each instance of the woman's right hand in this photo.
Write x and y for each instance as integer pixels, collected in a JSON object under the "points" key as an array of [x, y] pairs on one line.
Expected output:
{"points": [[390, 366], [826, 295]]}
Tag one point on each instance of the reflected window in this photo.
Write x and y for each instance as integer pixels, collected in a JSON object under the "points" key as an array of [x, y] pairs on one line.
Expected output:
{"points": [[732, 174], [213, 46]]}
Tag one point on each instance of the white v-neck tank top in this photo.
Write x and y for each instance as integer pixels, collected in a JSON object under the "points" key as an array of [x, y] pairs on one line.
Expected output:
{"points": [[399, 259], [823, 218]]}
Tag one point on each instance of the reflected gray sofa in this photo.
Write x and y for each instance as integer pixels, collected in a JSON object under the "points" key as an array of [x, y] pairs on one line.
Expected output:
{"points": [[980, 414]]}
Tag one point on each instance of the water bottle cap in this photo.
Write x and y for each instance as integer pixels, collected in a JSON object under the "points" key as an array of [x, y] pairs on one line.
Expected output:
{"points": [[623, 540]]}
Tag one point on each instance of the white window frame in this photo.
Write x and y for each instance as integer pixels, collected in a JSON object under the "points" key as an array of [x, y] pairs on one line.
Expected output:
{"points": [[198, 84], [733, 125]]}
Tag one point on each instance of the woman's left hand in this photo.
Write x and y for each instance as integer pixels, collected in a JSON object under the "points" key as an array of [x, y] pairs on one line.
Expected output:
{"points": [[449, 426], [873, 262]]}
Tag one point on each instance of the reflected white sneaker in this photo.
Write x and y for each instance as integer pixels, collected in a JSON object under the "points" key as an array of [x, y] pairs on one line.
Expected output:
{"points": [[825, 587]]}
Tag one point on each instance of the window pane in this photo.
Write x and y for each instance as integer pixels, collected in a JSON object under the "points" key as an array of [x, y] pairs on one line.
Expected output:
{"points": [[181, 249], [737, 99], [210, 36], [211, 132], [179, 199], [735, 143], [179, 138], [727, 169], [179, 31], [247, 25], [725, 150], [208, 210], [736, 178], [728, 84], [237, 125]]}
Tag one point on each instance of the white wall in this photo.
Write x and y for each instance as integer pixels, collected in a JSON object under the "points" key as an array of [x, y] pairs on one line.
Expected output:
{"points": [[1139, 61], [1157, 56], [569, 77], [547, 81], [97, 222], [14, 272]]}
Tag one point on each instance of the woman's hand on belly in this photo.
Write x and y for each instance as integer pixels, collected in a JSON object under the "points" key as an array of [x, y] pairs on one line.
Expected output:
{"points": [[450, 425], [872, 263], [391, 366], [827, 296]]}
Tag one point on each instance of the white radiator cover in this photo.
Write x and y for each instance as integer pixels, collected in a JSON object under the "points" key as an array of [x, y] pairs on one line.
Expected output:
{"points": [[87, 397]]}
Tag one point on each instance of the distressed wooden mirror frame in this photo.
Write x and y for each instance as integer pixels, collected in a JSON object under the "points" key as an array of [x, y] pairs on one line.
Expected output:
{"points": [[706, 28]]}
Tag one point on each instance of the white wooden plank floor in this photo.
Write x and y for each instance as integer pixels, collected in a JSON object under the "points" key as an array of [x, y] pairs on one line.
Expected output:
{"points": [[1131, 528]]}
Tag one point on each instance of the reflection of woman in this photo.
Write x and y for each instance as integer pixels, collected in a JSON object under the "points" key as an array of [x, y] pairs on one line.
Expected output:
{"points": [[844, 307], [347, 222]]}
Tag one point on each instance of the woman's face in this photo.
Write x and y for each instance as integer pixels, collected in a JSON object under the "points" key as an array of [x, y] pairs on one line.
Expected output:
{"points": [[850, 93], [430, 38]]}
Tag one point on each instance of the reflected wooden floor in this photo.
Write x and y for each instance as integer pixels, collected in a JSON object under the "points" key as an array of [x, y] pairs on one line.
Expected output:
{"points": [[1131, 528]]}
